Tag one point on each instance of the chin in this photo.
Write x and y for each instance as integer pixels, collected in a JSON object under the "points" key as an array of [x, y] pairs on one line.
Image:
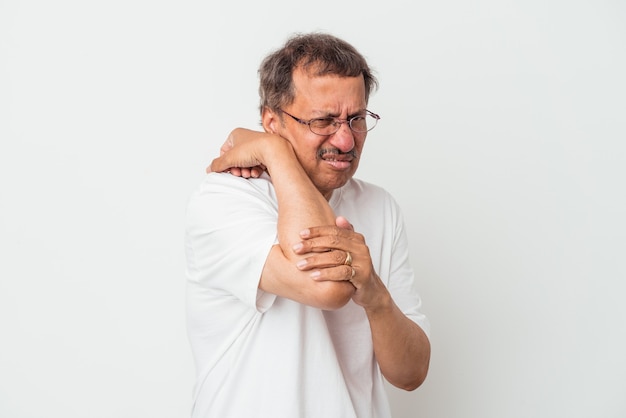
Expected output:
{"points": [[332, 185]]}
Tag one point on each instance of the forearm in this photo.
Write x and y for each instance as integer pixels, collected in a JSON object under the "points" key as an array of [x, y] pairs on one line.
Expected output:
{"points": [[300, 204], [401, 346]]}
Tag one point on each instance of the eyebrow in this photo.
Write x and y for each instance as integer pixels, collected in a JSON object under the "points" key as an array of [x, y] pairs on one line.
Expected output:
{"points": [[334, 115]]}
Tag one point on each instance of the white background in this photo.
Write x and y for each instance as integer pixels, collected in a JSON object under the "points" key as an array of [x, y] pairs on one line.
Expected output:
{"points": [[502, 136]]}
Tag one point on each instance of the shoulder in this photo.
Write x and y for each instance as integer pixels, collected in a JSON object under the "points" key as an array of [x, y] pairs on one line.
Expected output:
{"points": [[222, 195], [369, 194], [226, 187], [229, 184]]}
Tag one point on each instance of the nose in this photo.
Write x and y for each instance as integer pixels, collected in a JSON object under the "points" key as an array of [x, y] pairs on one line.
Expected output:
{"points": [[343, 139]]}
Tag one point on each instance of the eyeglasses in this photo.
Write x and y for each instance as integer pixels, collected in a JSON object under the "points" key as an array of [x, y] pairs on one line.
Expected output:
{"points": [[328, 126]]}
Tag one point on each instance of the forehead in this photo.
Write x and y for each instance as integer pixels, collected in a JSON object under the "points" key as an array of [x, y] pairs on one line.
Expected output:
{"points": [[328, 92]]}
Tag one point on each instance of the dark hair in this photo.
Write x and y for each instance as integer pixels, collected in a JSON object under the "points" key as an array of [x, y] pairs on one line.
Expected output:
{"points": [[317, 52]]}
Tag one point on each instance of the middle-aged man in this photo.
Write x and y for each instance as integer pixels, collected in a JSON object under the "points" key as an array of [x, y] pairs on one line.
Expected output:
{"points": [[301, 299]]}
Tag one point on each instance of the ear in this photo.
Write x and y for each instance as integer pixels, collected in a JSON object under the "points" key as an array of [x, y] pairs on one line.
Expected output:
{"points": [[270, 120]]}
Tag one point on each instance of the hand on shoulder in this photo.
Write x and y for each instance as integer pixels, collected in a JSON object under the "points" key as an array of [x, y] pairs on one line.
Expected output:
{"points": [[247, 153]]}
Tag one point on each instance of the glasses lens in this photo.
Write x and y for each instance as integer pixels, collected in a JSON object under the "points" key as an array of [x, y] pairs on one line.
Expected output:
{"points": [[363, 123], [328, 126], [324, 126]]}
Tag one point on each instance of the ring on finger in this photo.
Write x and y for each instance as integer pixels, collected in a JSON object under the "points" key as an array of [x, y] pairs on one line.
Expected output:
{"points": [[348, 261]]}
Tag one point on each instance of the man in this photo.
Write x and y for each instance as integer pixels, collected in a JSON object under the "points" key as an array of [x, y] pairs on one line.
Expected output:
{"points": [[301, 298]]}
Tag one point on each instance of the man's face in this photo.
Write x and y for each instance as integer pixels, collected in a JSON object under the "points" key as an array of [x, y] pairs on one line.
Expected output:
{"points": [[330, 160]]}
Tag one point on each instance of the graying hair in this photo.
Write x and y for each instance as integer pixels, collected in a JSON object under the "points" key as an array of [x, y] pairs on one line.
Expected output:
{"points": [[318, 52]]}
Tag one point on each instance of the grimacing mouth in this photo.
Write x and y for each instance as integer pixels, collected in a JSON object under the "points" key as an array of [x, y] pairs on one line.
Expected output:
{"points": [[333, 154]]}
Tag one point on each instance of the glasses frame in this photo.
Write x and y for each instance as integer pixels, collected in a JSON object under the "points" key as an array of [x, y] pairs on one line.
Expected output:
{"points": [[336, 122]]}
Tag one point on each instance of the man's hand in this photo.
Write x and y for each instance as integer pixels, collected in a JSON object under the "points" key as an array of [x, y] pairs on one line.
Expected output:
{"points": [[328, 260], [402, 348], [246, 162]]}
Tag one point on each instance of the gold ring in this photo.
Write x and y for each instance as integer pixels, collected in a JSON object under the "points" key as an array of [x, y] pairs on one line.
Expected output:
{"points": [[348, 261], [353, 272]]}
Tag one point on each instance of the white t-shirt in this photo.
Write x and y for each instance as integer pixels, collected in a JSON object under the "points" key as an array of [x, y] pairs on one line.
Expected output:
{"points": [[259, 355]]}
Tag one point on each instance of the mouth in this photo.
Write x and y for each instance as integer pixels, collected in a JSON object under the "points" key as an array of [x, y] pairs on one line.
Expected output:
{"points": [[336, 158], [335, 155]]}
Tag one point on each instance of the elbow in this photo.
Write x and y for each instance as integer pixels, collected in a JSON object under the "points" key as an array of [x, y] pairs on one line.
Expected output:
{"points": [[413, 384], [334, 295], [413, 377]]}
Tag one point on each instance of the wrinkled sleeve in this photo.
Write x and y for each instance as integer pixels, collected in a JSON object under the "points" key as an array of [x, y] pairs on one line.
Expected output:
{"points": [[230, 228], [402, 285]]}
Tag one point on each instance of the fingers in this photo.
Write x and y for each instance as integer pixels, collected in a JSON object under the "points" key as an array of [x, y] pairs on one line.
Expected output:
{"points": [[325, 238], [343, 228], [324, 260], [334, 253], [333, 265], [256, 172], [228, 145], [337, 274], [342, 222], [245, 172], [220, 165], [241, 155]]}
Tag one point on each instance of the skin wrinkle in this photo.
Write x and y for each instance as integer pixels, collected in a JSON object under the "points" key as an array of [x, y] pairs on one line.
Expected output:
{"points": [[338, 257]]}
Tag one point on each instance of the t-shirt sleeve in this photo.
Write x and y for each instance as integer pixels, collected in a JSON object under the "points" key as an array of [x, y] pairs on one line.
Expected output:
{"points": [[402, 284], [230, 229]]}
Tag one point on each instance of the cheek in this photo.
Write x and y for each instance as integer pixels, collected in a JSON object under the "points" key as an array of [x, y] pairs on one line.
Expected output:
{"points": [[359, 145], [307, 149], [306, 155]]}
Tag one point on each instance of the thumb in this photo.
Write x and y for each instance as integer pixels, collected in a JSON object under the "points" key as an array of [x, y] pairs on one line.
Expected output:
{"points": [[342, 222]]}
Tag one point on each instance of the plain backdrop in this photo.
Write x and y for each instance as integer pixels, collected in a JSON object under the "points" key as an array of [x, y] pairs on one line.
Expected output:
{"points": [[502, 137]]}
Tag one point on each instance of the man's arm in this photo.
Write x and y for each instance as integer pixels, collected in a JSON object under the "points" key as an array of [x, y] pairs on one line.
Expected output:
{"points": [[402, 348], [300, 205], [313, 273]]}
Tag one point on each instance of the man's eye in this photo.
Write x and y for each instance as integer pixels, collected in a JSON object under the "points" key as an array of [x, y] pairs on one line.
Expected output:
{"points": [[322, 123]]}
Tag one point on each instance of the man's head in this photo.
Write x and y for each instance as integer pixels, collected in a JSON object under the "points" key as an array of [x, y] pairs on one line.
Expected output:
{"points": [[317, 53], [312, 79]]}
